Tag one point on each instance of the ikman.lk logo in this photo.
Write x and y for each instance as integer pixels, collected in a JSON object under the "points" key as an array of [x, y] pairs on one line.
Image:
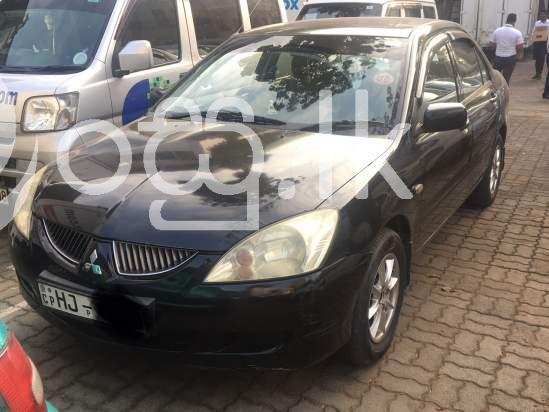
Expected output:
{"points": [[8, 97], [92, 265]]}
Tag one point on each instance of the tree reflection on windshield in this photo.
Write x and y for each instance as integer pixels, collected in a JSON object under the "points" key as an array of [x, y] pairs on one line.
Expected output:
{"points": [[283, 78]]}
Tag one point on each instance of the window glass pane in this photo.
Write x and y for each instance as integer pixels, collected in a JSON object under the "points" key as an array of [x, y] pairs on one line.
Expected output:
{"points": [[429, 12], [483, 68], [393, 12], [264, 12], [412, 11], [283, 77], [330, 11], [51, 36], [467, 66], [440, 83], [157, 22], [214, 22]]}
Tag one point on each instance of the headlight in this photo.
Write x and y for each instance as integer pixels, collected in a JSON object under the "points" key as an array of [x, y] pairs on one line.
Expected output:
{"points": [[288, 248], [50, 113], [23, 219]]}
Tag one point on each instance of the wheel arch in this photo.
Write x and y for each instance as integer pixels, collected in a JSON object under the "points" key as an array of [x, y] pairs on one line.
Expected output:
{"points": [[401, 225]]}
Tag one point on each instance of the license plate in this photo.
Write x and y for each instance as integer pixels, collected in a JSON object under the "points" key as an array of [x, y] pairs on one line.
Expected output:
{"points": [[68, 302], [4, 195]]}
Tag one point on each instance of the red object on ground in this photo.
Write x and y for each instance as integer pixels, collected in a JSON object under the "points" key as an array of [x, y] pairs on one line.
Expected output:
{"points": [[16, 378]]}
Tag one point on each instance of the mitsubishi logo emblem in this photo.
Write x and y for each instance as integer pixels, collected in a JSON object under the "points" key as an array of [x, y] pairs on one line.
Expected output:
{"points": [[91, 266]]}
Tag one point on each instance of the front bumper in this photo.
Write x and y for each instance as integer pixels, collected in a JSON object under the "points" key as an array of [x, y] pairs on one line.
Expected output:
{"points": [[45, 146], [288, 324]]}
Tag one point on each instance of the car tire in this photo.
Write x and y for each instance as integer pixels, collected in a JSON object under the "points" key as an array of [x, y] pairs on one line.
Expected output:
{"points": [[387, 253], [486, 192]]}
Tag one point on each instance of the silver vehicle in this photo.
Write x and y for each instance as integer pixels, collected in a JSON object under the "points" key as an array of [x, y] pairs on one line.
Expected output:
{"points": [[67, 61], [322, 9]]}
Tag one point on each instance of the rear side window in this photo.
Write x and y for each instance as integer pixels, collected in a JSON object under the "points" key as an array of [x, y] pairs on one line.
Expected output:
{"points": [[412, 11], [393, 11], [483, 68], [214, 22], [264, 12], [468, 66], [440, 82], [157, 22], [429, 12]]}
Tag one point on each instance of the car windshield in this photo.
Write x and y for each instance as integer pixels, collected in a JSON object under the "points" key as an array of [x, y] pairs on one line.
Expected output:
{"points": [[282, 78], [51, 35], [334, 10]]}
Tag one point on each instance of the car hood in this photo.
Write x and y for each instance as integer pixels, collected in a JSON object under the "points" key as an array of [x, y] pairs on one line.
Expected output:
{"points": [[285, 182]]}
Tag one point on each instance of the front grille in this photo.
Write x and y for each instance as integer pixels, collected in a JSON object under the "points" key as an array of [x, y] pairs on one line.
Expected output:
{"points": [[71, 244], [140, 260]]}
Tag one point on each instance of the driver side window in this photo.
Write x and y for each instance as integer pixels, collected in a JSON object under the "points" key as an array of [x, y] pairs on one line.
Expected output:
{"points": [[440, 81], [156, 21]]}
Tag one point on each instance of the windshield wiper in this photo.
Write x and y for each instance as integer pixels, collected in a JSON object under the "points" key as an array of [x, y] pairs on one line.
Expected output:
{"points": [[40, 69], [341, 125], [228, 116], [57, 68]]}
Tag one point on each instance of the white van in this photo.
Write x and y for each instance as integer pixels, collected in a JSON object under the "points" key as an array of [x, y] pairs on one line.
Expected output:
{"points": [[322, 9], [67, 61]]}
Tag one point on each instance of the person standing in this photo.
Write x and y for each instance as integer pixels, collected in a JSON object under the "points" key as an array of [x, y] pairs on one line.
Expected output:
{"points": [[540, 37], [546, 91], [509, 44]]}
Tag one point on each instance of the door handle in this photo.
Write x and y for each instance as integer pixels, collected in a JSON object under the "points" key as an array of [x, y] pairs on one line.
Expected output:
{"points": [[494, 97]]}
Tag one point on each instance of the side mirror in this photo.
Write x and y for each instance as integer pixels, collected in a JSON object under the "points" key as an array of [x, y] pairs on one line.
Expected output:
{"points": [[135, 56], [443, 117]]}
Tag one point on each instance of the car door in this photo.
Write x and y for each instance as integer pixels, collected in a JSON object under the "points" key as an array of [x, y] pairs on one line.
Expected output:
{"points": [[444, 156], [162, 23], [480, 100]]}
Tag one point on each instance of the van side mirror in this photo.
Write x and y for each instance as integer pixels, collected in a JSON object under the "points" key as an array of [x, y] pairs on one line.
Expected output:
{"points": [[134, 57], [443, 117]]}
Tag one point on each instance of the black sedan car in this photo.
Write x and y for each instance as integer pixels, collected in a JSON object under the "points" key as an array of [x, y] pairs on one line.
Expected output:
{"points": [[371, 134]]}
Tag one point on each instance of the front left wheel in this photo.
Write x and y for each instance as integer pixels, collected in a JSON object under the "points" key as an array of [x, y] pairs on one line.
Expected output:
{"points": [[379, 301]]}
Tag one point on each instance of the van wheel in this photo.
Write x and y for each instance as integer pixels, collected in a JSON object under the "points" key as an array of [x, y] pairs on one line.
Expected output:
{"points": [[379, 301], [486, 192]]}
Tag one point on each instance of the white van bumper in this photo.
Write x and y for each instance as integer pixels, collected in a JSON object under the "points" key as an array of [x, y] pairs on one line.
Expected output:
{"points": [[46, 145]]}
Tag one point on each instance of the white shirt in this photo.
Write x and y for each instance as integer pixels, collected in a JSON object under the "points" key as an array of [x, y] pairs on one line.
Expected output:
{"points": [[507, 38]]}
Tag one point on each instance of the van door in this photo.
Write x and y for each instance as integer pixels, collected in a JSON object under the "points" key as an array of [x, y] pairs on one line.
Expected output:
{"points": [[412, 10], [393, 11], [265, 12], [162, 23], [429, 12], [212, 22]]}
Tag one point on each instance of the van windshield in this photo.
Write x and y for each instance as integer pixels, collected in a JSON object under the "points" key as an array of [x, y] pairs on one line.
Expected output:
{"points": [[51, 36], [334, 10]]}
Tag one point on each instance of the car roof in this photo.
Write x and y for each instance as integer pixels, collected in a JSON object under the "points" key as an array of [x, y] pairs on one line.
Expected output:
{"points": [[358, 26], [367, 1]]}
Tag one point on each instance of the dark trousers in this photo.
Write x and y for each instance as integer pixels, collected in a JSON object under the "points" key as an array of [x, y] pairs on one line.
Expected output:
{"points": [[506, 65], [540, 51], [546, 91]]}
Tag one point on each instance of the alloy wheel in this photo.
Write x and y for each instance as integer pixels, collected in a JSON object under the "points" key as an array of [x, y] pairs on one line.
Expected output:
{"points": [[495, 171], [384, 298]]}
